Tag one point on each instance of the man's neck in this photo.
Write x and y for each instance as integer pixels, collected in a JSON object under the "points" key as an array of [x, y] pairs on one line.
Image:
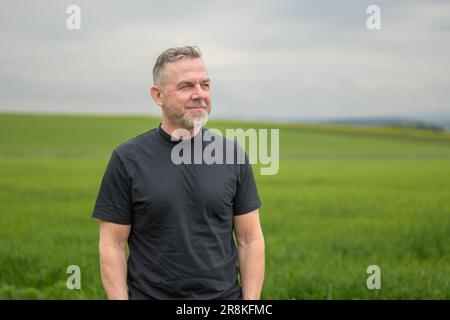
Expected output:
{"points": [[172, 130]]}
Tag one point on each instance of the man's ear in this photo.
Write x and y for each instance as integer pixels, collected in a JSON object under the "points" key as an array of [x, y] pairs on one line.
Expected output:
{"points": [[156, 93]]}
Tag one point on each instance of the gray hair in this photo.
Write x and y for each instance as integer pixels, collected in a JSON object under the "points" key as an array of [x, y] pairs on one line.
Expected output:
{"points": [[173, 54]]}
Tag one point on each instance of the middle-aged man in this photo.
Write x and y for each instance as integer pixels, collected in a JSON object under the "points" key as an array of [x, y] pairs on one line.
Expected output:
{"points": [[179, 218]]}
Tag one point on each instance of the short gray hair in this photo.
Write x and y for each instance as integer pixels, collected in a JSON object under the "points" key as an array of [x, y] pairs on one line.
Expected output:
{"points": [[173, 54]]}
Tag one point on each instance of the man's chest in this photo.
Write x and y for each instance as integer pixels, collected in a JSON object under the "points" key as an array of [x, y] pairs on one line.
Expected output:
{"points": [[159, 184]]}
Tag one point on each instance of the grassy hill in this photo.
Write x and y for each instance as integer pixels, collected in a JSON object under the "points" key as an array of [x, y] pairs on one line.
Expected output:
{"points": [[343, 199]]}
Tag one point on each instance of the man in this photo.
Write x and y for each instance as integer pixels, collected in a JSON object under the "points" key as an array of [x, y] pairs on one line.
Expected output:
{"points": [[178, 219]]}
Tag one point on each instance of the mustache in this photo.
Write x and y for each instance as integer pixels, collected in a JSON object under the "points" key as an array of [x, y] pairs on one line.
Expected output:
{"points": [[197, 104]]}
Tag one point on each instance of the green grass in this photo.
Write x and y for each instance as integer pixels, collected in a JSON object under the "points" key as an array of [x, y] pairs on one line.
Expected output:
{"points": [[344, 198]]}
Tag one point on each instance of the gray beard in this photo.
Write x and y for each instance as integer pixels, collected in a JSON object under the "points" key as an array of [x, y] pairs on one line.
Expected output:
{"points": [[187, 121]]}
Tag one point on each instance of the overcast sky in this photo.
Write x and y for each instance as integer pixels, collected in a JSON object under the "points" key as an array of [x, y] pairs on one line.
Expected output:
{"points": [[267, 59]]}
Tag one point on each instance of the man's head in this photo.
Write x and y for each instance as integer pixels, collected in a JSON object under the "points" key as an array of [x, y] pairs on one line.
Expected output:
{"points": [[181, 87]]}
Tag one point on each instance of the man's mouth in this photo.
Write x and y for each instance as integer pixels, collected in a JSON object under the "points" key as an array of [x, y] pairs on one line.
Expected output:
{"points": [[195, 108]]}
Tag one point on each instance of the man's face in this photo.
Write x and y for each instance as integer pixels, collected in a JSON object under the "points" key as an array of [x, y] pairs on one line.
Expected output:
{"points": [[185, 93]]}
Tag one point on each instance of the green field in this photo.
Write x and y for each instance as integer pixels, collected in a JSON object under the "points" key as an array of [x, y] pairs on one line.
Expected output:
{"points": [[344, 198]]}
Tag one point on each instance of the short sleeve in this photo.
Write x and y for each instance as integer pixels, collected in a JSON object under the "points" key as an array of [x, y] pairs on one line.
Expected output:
{"points": [[114, 197], [246, 198]]}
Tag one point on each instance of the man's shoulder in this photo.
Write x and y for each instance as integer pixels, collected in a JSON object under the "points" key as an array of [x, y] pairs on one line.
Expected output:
{"points": [[135, 143], [228, 142], [215, 135], [231, 149]]}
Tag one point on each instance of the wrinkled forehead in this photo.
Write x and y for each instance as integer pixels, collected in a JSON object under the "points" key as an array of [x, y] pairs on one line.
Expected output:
{"points": [[185, 70]]}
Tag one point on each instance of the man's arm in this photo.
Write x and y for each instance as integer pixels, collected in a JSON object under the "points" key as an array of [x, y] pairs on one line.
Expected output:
{"points": [[250, 244], [113, 266]]}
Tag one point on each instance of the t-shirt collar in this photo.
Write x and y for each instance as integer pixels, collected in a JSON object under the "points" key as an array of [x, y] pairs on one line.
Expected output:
{"points": [[167, 137]]}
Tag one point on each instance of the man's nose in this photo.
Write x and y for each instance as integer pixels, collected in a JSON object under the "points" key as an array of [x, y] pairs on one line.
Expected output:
{"points": [[199, 93]]}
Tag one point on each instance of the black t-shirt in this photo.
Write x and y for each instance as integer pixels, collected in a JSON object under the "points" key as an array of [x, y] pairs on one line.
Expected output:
{"points": [[181, 216]]}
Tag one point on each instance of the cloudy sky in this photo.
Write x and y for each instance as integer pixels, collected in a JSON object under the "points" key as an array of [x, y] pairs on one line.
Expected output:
{"points": [[267, 59]]}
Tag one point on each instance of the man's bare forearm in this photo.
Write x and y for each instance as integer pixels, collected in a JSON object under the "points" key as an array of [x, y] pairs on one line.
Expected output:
{"points": [[114, 272], [251, 265]]}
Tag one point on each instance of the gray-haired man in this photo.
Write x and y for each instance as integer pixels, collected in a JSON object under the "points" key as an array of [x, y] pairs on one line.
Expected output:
{"points": [[178, 219]]}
